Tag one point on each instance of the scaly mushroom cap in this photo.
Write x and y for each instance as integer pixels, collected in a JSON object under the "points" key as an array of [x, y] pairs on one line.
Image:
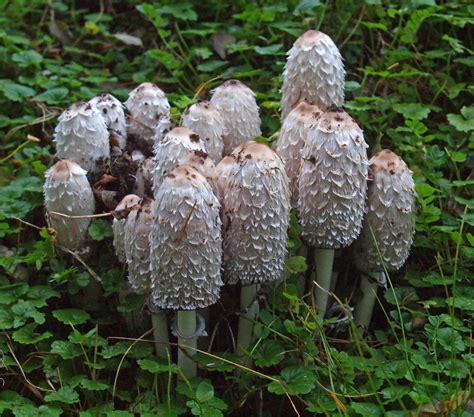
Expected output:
{"points": [[332, 182], [149, 107], [204, 119], [292, 138], [114, 116], [118, 224], [144, 178], [237, 105], [137, 247], [204, 164], [314, 71], [185, 242], [66, 190], [255, 209], [390, 215], [171, 150], [81, 136]]}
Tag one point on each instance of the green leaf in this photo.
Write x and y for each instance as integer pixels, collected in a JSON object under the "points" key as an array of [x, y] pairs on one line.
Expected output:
{"points": [[94, 385], [367, 409], [65, 395], [295, 381], [65, 349], [53, 96], [455, 368], [269, 50], [268, 353], [204, 391], [71, 316], [27, 309], [417, 111], [463, 122], [395, 392], [155, 367], [296, 264], [179, 10], [211, 66], [306, 6], [100, 229], [10, 293], [28, 58], [450, 339], [14, 91], [27, 336]]}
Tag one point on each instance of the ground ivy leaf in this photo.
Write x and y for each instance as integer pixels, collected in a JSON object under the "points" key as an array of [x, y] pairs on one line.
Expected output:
{"points": [[66, 350], [367, 409], [94, 385], [296, 380], [64, 395], [27, 336], [204, 391], [100, 229], [71, 316], [296, 264], [268, 353]]}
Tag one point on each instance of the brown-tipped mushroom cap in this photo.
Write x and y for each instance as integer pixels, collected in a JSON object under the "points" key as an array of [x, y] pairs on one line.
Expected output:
{"points": [[332, 182], [185, 242], [67, 191], [118, 223], [171, 150], [81, 136], [137, 247], [255, 198], [390, 215], [314, 71], [292, 138], [237, 105], [204, 119]]}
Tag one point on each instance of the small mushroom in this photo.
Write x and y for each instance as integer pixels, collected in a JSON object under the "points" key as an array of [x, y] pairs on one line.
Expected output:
{"points": [[150, 113], [186, 253], [171, 150], [204, 119], [255, 208], [331, 191], [387, 235], [118, 224], [81, 136], [68, 192], [237, 105], [112, 111], [314, 71], [293, 134]]}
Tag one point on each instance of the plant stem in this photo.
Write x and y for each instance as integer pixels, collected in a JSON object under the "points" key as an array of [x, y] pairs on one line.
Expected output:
{"points": [[160, 333], [249, 311], [324, 259], [186, 329], [365, 306]]}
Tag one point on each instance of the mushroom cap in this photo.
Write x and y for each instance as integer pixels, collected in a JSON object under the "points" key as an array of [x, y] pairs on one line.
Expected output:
{"points": [[112, 111], [332, 182], [149, 107], [255, 209], [204, 119], [118, 224], [66, 190], [314, 71], [293, 133], [390, 215], [171, 150], [81, 136], [185, 242], [137, 247], [237, 105]]}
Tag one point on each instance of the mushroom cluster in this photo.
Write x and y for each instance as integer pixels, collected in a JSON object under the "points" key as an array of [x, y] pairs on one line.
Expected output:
{"points": [[186, 220]]}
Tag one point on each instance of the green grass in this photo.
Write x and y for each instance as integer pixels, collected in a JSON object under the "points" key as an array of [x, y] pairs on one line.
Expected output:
{"points": [[409, 67]]}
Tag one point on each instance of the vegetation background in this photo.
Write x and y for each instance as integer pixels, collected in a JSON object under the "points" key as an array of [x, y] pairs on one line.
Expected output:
{"points": [[409, 73]]}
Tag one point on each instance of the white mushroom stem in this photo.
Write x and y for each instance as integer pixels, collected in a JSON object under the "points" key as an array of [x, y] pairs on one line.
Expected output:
{"points": [[160, 333], [365, 306], [324, 259], [187, 342], [249, 311]]}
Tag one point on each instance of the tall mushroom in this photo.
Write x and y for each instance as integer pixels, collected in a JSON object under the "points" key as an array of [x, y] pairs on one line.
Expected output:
{"points": [[118, 224], [293, 134], [237, 105], [114, 116], [186, 252], [169, 152], [150, 114], [331, 192], [204, 119], [68, 192], [81, 136], [254, 189], [314, 71], [386, 238]]}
